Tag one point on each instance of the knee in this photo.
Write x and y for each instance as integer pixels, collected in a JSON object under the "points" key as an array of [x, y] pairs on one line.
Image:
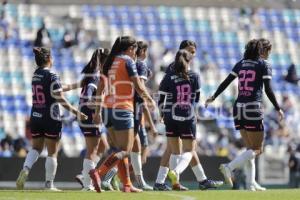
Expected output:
{"points": [[39, 150]]}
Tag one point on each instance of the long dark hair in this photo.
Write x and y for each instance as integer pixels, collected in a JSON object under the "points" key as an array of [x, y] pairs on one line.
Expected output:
{"points": [[141, 46], [181, 64], [42, 55], [187, 43], [253, 49], [98, 58], [121, 44]]}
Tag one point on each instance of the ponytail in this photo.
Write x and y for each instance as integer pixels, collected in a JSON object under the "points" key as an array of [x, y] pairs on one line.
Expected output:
{"points": [[98, 58], [181, 65], [121, 44], [42, 55]]}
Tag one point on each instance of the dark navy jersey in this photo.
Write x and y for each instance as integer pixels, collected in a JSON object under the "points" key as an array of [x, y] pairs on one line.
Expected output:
{"points": [[181, 95], [44, 84], [143, 72], [251, 74], [89, 89], [170, 68]]}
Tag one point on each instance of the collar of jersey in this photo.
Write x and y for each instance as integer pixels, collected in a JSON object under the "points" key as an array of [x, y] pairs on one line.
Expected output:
{"points": [[124, 56]]}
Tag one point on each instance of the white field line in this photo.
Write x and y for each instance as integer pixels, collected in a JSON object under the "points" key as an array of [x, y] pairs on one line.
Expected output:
{"points": [[180, 196]]}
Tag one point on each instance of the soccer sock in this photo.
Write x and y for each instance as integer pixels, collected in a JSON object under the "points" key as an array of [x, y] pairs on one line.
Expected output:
{"points": [[50, 166], [199, 172], [111, 162], [162, 174], [123, 172], [110, 174], [241, 160], [183, 162], [136, 162], [31, 158], [87, 166], [173, 161], [250, 175]]}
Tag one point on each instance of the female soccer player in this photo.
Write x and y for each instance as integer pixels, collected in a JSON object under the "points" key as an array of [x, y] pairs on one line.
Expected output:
{"points": [[45, 122], [141, 138], [204, 182], [90, 130], [120, 81], [253, 73], [180, 92]]}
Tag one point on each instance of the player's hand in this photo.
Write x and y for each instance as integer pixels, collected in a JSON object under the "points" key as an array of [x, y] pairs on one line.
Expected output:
{"points": [[151, 104], [154, 132], [82, 116], [280, 115], [209, 101], [97, 119]]}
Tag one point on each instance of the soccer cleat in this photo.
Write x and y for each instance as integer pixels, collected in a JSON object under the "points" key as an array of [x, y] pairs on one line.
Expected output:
{"points": [[90, 189], [96, 180], [210, 184], [259, 187], [107, 186], [161, 187], [131, 188], [179, 187], [22, 179], [79, 179], [251, 188], [173, 177], [227, 174], [49, 186], [116, 183], [146, 187]]}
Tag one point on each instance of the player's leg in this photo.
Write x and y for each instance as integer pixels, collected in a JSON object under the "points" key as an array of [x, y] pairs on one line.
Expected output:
{"points": [[88, 162], [204, 182], [256, 140], [163, 171], [188, 146], [31, 157], [52, 144], [136, 161]]}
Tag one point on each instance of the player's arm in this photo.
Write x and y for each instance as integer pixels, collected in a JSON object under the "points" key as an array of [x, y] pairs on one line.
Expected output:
{"points": [[58, 95], [221, 88], [99, 94], [68, 87], [142, 91], [270, 94]]}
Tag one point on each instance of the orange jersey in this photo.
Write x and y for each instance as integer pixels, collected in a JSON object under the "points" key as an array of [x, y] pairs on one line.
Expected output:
{"points": [[120, 90]]}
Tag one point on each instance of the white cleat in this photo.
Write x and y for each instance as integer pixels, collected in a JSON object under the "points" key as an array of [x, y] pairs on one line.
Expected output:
{"points": [[226, 173], [259, 187], [89, 189], [22, 179], [251, 188], [53, 189]]}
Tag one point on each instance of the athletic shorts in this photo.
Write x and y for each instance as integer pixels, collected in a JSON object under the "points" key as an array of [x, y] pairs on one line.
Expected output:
{"points": [[248, 116], [183, 129], [143, 136], [50, 129], [118, 119], [87, 127]]}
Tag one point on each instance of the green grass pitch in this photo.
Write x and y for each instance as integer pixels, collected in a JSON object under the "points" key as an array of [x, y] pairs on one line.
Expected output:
{"points": [[190, 195]]}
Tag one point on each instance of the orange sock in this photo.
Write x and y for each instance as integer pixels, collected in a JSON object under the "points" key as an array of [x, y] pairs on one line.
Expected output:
{"points": [[123, 172], [109, 163]]}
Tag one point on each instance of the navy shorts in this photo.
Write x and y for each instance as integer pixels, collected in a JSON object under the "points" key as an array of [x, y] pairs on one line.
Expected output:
{"points": [[248, 116], [88, 128], [50, 128], [183, 129], [118, 119]]}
